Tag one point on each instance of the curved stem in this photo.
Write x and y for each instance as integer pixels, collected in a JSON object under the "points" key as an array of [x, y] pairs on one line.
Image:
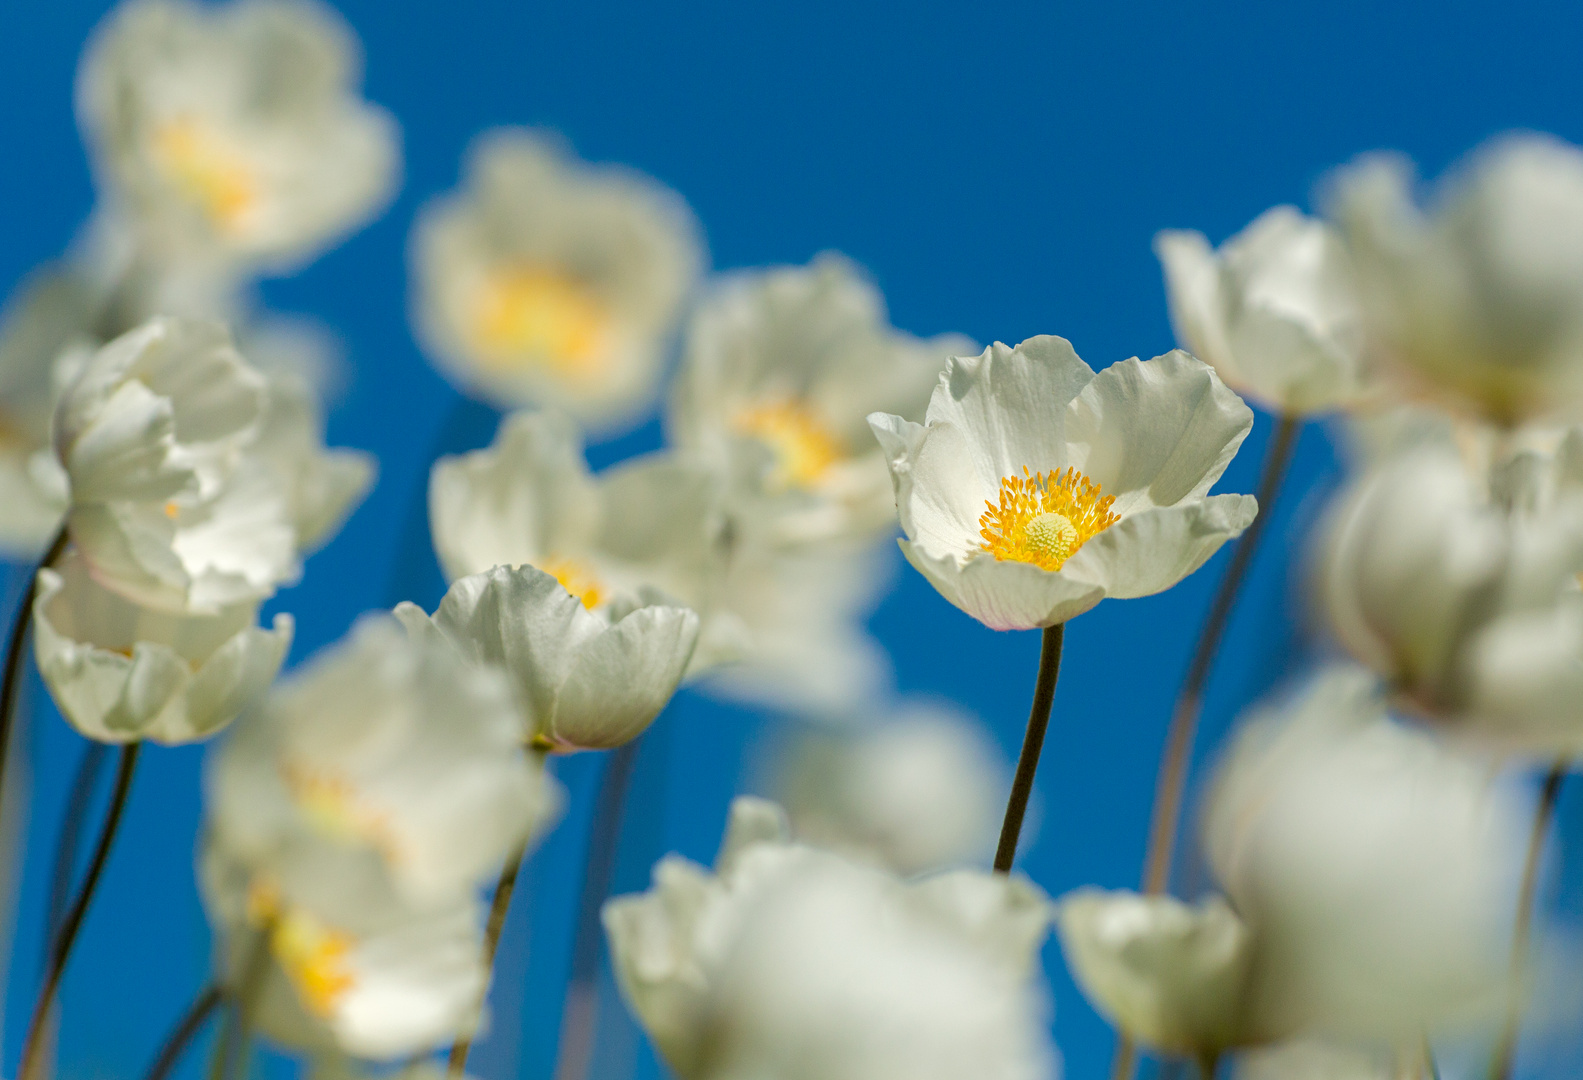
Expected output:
{"points": [[181, 1035], [234, 1037], [1032, 744], [77, 805], [60, 950], [1505, 1055], [580, 1015], [16, 647], [457, 1063]]}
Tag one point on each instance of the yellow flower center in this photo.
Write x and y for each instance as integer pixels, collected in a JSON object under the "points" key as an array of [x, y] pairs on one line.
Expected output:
{"points": [[1043, 518], [532, 316], [577, 578], [330, 802], [803, 447], [313, 955], [207, 172]]}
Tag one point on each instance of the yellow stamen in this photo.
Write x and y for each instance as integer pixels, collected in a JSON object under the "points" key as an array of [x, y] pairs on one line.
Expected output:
{"points": [[171, 510], [330, 802], [528, 316], [803, 447], [313, 955], [206, 171], [577, 578], [1043, 518]]}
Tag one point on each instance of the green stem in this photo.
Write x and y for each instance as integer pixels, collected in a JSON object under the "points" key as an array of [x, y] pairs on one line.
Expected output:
{"points": [[16, 648], [180, 1038], [1032, 744], [456, 1065], [231, 1047]]}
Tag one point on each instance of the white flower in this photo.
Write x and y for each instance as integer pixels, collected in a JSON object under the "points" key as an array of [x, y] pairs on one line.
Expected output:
{"points": [[1096, 485], [1275, 310], [321, 486], [120, 672], [919, 791], [590, 681], [1169, 975], [1314, 1060], [550, 281], [1375, 867], [793, 963], [1479, 301], [393, 743], [233, 134], [780, 370]]}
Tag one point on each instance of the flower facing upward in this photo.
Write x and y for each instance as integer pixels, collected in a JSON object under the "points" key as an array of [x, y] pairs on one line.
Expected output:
{"points": [[1037, 488]]}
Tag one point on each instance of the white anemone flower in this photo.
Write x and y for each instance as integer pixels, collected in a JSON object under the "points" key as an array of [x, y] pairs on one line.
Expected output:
{"points": [[322, 486], [1312, 1059], [1375, 866], [120, 672], [917, 791], [233, 135], [1037, 488], [1479, 299], [548, 281], [589, 681], [394, 743], [1275, 310], [780, 370], [793, 963]]}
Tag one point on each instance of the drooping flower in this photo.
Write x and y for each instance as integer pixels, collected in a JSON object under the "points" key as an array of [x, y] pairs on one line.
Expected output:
{"points": [[589, 680], [1275, 310], [120, 672], [780, 370], [548, 281], [1038, 488], [788, 963], [233, 136], [1478, 301]]}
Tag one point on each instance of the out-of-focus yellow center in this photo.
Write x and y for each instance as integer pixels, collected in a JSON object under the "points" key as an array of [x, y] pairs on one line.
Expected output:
{"points": [[207, 172], [1043, 518], [330, 802], [533, 316], [314, 956], [804, 448], [577, 578]]}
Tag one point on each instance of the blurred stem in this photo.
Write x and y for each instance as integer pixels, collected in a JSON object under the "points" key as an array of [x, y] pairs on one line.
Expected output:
{"points": [[1506, 1048], [60, 950], [457, 1064], [580, 1016], [78, 803], [181, 1036], [231, 1048], [11, 685], [1032, 744]]}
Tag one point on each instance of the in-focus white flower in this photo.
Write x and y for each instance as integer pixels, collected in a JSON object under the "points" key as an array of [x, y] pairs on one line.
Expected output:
{"points": [[548, 281], [921, 790], [794, 963], [590, 680], [233, 134], [120, 672], [780, 370], [1169, 975], [1375, 867], [1274, 310], [393, 743], [1479, 300], [1038, 488]]}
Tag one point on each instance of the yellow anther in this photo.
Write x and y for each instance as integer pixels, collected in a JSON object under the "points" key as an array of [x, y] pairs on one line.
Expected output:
{"points": [[577, 578], [315, 958], [207, 172], [1043, 518], [803, 447], [528, 316]]}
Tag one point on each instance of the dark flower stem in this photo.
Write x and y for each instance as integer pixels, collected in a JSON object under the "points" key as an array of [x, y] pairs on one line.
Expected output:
{"points": [[456, 1065], [16, 649], [75, 818], [181, 1035], [1032, 744]]}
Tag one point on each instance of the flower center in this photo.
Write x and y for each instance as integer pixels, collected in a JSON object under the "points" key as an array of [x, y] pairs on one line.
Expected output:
{"points": [[330, 802], [803, 447], [577, 578], [313, 955], [531, 316], [1043, 518], [207, 172]]}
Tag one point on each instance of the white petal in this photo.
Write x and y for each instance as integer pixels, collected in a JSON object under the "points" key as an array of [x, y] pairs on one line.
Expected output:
{"points": [[1006, 595], [1150, 550], [621, 679]]}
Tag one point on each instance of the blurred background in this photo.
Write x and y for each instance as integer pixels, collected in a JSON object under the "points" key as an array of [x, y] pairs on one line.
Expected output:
{"points": [[1000, 170]]}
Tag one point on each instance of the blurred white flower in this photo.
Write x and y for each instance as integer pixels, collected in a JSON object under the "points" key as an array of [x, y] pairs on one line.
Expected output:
{"points": [[1375, 867], [1274, 310], [120, 672], [589, 681], [390, 742], [1095, 485], [921, 790], [794, 963], [1169, 975], [321, 486], [1314, 1060], [546, 280], [1479, 301], [233, 135], [780, 370]]}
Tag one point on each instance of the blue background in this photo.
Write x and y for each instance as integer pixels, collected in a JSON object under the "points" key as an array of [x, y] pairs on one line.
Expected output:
{"points": [[1000, 168]]}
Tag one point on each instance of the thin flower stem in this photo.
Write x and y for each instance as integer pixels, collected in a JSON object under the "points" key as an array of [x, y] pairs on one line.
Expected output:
{"points": [[181, 1035], [231, 1047], [73, 820], [456, 1065], [580, 1016], [16, 648], [60, 950], [1032, 744], [1506, 1048]]}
